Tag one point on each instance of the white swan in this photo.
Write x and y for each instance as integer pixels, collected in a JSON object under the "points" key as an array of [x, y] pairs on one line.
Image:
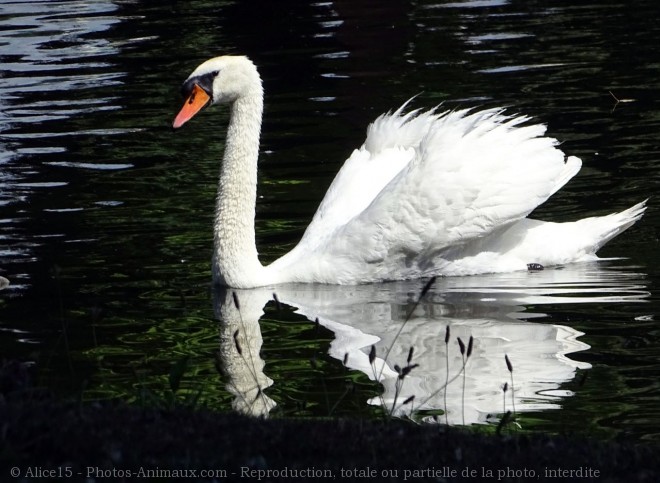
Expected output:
{"points": [[426, 194]]}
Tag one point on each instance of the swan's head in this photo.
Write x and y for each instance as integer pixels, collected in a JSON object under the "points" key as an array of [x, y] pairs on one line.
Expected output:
{"points": [[218, 80]]}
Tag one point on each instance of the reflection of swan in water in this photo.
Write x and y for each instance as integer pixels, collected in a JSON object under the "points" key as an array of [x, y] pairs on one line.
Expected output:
{"points": [[489, 308], [426, 194], [240, 343]]}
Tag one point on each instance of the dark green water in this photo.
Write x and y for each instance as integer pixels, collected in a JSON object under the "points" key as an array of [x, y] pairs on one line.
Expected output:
{"points": [[105, 213]]}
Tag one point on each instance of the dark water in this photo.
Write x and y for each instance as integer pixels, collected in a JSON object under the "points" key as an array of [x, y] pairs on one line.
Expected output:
{"points": [[105, 214]]}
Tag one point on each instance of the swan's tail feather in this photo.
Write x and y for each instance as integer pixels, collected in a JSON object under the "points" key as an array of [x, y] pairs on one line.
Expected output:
{"points": [[607, 227]]}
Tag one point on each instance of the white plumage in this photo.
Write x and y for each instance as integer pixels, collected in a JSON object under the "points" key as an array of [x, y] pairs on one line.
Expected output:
{"points": [[427, 193]]}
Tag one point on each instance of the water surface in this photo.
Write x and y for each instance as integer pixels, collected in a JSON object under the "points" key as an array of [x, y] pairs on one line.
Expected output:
{"points": [[105, 214]]}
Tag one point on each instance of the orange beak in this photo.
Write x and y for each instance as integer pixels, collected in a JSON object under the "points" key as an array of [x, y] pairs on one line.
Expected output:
{"points": [[196, 101]]}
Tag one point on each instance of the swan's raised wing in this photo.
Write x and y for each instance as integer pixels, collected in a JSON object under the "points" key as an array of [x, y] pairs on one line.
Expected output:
{"points": [[471, 174], [466, 176]]}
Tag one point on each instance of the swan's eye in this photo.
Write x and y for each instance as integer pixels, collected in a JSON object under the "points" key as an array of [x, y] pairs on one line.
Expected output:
{"points": [[204, 81]]}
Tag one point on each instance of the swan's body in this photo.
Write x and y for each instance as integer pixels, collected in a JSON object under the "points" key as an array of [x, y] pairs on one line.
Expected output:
{"points": [[426, 194]]}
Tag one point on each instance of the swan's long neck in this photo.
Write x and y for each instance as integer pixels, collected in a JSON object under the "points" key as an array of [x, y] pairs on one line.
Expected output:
{"points": [[236, 262]]}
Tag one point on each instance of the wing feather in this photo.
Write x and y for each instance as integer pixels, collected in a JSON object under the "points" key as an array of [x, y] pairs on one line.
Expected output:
{"points": [[389, 146]]}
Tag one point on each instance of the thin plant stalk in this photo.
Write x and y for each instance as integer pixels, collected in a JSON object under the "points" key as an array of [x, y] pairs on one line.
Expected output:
{"points": [[402, 373], [424, 291], [372, 360], [446, 373], [465, 355], [461, 346], [510, 368]]}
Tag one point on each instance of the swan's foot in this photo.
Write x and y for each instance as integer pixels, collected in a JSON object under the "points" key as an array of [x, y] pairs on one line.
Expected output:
{"points": [[535, 267]]}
